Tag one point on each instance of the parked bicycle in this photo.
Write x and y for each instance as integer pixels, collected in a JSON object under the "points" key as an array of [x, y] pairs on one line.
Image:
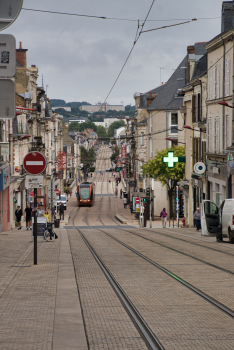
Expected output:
{"points": [[49, 233]]}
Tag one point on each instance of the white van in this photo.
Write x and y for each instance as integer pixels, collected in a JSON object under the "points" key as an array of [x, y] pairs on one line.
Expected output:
{"points": [[214, 219]]}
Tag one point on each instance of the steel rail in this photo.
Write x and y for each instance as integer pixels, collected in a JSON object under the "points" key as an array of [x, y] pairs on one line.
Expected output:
{"points": [[180, 252], [211, 300], [194, 243]]}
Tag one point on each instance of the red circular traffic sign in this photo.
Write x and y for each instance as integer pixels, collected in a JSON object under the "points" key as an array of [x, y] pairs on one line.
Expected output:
{"points": [[34, 163], [32, 193], [56, 191], [137, 200]]}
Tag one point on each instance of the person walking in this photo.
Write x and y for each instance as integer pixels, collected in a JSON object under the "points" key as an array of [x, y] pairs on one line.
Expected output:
{"points": [[125, 201], [130, 207], [163, 216], [61, 209], [116, 192], [28, 216], [121, 192], [18, 214], [197, 219]]}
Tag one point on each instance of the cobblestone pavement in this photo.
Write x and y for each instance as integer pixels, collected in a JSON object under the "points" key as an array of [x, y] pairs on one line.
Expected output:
{"points": [[66, 303]]}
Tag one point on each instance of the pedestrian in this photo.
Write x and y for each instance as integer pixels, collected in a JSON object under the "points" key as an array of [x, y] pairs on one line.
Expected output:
{"points": [[61, 209], [91, 175], [121, 192], [130, 207], [116, 192], [163, 216], [47, 216], [125, 201], [40, 211], [18, 214], [197, 219], [70, 193], [28, 216]]}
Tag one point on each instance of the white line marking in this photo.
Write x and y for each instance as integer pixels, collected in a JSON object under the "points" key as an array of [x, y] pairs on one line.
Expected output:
{"points": [[34, 163]]}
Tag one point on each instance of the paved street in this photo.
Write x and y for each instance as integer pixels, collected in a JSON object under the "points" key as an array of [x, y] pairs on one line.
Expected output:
{"points": [[69, 300]]}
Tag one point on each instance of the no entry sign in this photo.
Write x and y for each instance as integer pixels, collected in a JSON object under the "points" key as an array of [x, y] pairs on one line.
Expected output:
{"points": [[34, 163], [56, 191]]}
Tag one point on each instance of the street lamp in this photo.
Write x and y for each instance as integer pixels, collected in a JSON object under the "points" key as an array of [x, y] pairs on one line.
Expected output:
{"points": [[223, 103], [169, 139], [190, 128]]}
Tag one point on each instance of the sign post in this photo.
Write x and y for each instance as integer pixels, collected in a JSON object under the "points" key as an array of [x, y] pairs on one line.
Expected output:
{"points": [[35, 163]]}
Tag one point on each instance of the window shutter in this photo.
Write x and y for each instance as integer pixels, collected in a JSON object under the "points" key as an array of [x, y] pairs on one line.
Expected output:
{"points": [[227, 78], [217, 86], [215, 81], [210, 84], [210, 133], [217, 135], [227, 125]]}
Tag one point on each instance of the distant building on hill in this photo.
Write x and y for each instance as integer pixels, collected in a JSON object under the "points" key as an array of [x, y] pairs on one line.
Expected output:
{"points": [[78, 120], [68, 109], [102, 107]]}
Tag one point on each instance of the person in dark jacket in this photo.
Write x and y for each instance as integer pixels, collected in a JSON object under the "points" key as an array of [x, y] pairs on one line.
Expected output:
{"points": [[28, 216], [18, 214], [61, 209]]}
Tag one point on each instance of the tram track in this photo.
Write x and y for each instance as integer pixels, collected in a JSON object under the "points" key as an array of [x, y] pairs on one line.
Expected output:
{"points": [[149, 337]]}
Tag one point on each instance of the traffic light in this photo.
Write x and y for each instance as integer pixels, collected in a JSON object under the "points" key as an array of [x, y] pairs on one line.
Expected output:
{"points": [[148, 192], [144, 199], [15, 200]]}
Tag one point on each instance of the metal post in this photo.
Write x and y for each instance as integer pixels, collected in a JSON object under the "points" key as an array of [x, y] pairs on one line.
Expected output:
{"points": [[51, 194], [177, 205], [150, 209], [35, 226]]}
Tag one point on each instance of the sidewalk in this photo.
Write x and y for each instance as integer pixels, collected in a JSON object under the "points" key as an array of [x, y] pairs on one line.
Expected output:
{"points": [[39, 304]]}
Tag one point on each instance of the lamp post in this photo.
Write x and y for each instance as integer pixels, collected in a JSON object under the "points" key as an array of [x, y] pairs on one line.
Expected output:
{"points": [[169, 139]]}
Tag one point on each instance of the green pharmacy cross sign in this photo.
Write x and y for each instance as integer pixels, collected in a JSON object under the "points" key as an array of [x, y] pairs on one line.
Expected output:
{"points": [[171, 159]]}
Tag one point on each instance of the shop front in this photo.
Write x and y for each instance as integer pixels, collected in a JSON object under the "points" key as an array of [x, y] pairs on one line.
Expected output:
{"points": [[4, 198]]}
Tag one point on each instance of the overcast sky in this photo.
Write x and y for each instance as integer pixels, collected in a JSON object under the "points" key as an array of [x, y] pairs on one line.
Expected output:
{"points": [[80, 58]]}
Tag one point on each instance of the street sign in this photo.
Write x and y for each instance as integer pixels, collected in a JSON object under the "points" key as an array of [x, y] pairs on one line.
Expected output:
{"points": [[171, 159], [7, 99], [9, 10], [34, 181], [7, 55], [34, 163], [56, 191]]}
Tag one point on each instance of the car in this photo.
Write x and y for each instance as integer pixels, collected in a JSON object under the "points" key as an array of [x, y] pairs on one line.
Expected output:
{"points": [[62, 198]]}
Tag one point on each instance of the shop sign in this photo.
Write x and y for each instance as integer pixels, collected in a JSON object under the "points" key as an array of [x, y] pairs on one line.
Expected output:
{"points": [[34, 181]]}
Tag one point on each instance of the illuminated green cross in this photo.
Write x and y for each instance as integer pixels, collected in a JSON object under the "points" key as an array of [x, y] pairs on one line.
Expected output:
{"points": [[170, 159]]}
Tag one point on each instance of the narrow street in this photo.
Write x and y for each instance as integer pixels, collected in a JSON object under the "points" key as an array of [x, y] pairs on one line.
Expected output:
{"points": [[107, 285]]}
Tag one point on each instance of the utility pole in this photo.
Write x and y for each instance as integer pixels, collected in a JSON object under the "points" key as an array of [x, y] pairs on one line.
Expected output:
{"points": [[150, 209], [177, 205]]}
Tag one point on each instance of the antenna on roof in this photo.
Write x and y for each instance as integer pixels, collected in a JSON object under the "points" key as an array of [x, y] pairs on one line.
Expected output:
{"points": [[42, 82]]}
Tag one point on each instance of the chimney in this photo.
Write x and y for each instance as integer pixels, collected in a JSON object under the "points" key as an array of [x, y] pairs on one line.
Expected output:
{"points": [[150, 99], [21, 56], [227, 21]]}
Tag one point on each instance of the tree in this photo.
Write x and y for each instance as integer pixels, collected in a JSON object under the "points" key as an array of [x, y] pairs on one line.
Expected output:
{"points": [[158, 170], [88, 125], [101, 132], [114, 155], [113, 126], [74, 126]]}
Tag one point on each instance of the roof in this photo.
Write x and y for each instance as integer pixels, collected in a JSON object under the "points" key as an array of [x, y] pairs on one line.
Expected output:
{"points": [[143, 97], [166, 97], [200, 48], [200, 67], [18, 64]]}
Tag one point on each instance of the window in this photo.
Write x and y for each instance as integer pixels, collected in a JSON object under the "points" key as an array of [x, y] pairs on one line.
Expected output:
{"points": [[227, 77], [217, 80], [227, 126], [142, 139], [209, 135], [217, 135], [174, 123], [210, 84], [174, 143], [68, 149], [151, 125], [151, 148]]}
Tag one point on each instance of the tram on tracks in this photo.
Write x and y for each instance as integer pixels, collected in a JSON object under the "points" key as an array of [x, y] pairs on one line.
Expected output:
{"points": [[85, 194]]}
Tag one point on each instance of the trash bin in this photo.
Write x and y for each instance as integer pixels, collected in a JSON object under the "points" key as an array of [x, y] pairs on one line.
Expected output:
{"points": [[56, 223]]}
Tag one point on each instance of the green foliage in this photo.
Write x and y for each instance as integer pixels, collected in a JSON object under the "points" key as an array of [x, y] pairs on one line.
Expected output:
{"points": [[113, 126], [87, 125], [57, 103], [155, 168], [88, 157], [74, 126], [101, 132], [114, 155]]}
